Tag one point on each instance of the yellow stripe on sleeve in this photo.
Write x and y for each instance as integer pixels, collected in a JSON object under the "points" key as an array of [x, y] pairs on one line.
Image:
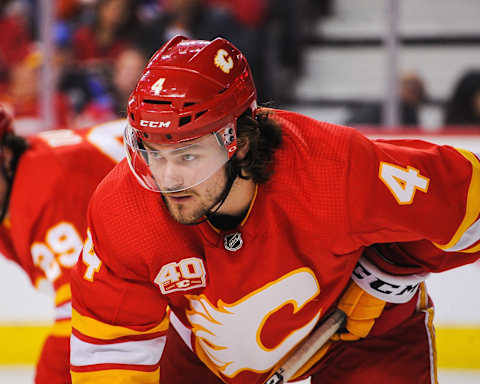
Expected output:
{"points": [[63, 294], [473, 202], [94, 328], [473, 249], [62, 328], [117, 376]]}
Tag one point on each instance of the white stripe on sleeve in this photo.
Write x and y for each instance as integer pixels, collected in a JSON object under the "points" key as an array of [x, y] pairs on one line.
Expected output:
{"points": [[141, 352], [64, 311], [469, 237]]}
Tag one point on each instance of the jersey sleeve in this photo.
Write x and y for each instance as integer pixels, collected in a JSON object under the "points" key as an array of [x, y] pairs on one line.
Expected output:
{"points": [[416, 257], [410, 190], [118, 324]]}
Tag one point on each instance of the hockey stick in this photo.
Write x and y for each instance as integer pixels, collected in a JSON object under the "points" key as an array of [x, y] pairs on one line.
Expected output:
{"points": [[308, 348]]}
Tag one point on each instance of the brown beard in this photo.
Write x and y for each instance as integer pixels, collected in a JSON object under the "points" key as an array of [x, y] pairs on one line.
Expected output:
{"points": [[211, 199]]}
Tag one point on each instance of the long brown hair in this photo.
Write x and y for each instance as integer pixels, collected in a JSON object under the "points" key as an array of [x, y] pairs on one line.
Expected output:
{"points": [[264, 136]]}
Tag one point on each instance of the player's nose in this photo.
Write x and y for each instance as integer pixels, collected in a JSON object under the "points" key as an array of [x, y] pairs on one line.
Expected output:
{"points": [[171, 178]]}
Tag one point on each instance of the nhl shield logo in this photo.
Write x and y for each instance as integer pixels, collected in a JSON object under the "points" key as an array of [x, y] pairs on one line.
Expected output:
{"points": [[233, 241]]}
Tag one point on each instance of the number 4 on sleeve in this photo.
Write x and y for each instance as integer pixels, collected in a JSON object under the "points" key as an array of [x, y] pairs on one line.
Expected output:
{"points": [[402, 182]]}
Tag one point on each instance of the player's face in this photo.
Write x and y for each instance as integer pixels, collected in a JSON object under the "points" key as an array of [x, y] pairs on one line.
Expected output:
{"points": [[190, 205]]}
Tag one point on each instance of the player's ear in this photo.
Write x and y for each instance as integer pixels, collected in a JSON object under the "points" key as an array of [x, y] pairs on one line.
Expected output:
{"points": [[243, 147]]}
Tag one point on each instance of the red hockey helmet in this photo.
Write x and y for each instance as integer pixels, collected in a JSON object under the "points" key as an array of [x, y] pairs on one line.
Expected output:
{"points": [[189, 96]]}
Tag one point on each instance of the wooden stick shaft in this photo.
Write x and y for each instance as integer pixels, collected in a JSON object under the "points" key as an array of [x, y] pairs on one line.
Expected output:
{"points": [[308, 348]]}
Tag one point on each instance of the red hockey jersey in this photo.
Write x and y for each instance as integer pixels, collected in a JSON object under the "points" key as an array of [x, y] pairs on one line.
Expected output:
{"points": [[242, 299], [46, 223]]}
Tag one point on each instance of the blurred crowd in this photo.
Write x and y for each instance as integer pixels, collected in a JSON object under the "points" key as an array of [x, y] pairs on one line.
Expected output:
{"points": [[461, 111], [101, 47]]}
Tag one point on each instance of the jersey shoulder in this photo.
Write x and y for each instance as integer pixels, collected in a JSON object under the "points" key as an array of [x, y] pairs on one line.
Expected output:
{"points": [[311, 169], [62, 163], [314, 152], [317, 139], [38, 170], [96, 148]]}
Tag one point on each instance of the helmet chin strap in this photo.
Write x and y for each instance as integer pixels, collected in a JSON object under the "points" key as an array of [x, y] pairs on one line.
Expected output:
{"points": [[232, 174]]}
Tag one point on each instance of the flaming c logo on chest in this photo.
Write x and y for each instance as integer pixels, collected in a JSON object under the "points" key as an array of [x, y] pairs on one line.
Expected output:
{"points": [[228, 335], [186, 274]]}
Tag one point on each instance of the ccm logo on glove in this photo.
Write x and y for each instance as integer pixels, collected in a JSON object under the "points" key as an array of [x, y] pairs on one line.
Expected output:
{"points": [[393, 289]]}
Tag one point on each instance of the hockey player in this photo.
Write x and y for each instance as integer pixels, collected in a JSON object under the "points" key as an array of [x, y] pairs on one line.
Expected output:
{"points": [[45, 185], [250, 225]]}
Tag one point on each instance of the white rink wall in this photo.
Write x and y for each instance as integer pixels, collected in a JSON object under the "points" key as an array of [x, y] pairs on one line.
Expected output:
{"points": [[19, 301]]}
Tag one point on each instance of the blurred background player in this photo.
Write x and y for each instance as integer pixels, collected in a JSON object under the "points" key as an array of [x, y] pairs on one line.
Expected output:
{"points": [[45, 185]]}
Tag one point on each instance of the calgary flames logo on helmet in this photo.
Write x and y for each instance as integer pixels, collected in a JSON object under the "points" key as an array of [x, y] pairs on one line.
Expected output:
{"points": [[223, 61]]}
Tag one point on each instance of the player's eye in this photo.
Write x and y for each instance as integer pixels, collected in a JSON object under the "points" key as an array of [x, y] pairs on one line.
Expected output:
{"points": [[188, 157], [155, 155]]}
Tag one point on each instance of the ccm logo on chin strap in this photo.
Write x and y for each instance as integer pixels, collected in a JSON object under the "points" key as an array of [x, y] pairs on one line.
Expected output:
{"points": [[390, 288], [155, 124]]}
